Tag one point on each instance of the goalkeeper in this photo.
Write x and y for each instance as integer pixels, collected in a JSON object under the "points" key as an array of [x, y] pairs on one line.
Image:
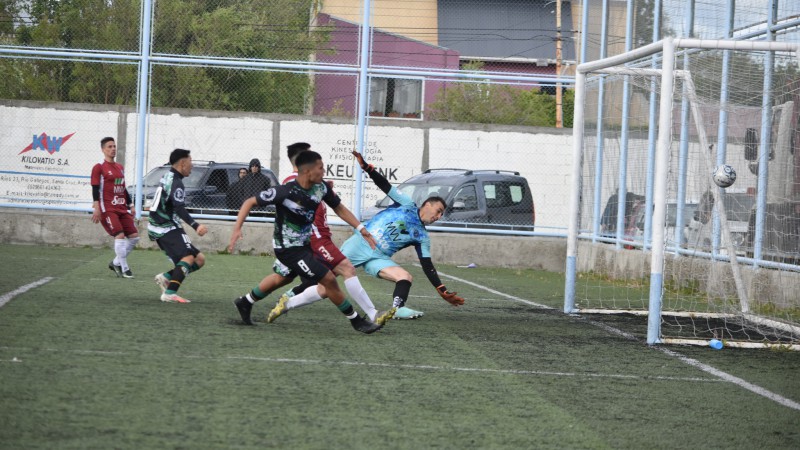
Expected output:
{"points": [[395, 228]]}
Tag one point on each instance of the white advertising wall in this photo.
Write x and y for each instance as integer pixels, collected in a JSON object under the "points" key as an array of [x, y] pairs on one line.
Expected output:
{"points": [[395, 150], [545, 160], [48, 153], [220, 139]]}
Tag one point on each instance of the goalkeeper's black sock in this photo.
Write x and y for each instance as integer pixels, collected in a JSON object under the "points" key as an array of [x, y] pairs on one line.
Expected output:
{"points": [[401, 290]]}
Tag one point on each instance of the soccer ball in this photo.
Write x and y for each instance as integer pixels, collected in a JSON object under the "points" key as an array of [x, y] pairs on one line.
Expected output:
{"points": [[724, 176]]}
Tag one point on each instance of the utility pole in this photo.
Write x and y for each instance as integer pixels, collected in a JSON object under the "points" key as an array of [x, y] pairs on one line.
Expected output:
{"points": [[559, 110]]}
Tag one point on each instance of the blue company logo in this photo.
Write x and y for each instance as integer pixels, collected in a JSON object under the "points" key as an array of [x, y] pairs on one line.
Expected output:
{"points": [[46, 143]]}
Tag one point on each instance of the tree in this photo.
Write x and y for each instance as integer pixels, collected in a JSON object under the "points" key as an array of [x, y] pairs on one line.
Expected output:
{"points": [[500, 104], [257, 29], [85, 24]]}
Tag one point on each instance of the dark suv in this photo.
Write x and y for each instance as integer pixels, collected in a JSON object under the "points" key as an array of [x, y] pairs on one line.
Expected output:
{"points": [[475, 198], [206, 187]]}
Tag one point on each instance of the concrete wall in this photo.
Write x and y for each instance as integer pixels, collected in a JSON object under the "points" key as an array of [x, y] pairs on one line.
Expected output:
{"points": [[762, 285], [21, 226], [405, 148]]}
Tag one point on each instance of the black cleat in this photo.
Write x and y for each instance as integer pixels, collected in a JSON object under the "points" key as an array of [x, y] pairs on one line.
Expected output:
{"points": [[127, 274], [244, 307], [115, 268], [364, 325]]}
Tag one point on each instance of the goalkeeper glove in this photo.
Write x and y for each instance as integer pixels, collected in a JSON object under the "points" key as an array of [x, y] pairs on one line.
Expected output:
{"points": [[450, 297], [364, 166]]}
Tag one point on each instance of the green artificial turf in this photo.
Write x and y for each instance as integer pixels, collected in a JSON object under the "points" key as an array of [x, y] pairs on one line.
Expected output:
{"points": [[89, 360]]}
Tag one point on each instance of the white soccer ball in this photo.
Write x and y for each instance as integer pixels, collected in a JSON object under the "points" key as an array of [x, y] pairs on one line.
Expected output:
{"points": [[724, 176]]}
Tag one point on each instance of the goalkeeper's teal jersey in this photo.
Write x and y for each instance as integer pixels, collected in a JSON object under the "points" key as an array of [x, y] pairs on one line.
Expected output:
{"points": [[399, 226]]}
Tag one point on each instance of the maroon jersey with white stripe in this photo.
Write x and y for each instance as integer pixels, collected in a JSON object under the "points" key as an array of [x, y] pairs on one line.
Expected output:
{"points": [[110, 176]]}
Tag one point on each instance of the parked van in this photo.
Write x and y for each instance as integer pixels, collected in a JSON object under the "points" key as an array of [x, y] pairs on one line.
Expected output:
{"points": [[475, 198]]}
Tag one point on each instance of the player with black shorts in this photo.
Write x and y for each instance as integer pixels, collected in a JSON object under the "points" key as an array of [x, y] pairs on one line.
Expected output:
{"points": [[326, 251], [166, 213], [395, 228], [296, 204]]}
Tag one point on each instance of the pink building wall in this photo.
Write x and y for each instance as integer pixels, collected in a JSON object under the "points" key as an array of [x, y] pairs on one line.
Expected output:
{"points": [[340, 91]]}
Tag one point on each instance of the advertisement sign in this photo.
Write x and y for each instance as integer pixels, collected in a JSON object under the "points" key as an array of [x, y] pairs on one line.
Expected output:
{"points": [[47, 155], [395, 151]]}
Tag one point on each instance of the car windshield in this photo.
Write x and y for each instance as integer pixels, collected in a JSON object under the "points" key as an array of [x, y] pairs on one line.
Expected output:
{"points": [[191, 182], [419, 192]]}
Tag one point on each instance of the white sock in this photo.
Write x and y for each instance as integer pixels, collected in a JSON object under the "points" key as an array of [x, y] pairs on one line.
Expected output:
{"points": [[131, 243], [307, 297], [359, 295], [120, 249]]}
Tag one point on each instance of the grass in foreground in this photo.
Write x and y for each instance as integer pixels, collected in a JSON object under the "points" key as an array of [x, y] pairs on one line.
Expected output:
{"points": [[91, 361]]}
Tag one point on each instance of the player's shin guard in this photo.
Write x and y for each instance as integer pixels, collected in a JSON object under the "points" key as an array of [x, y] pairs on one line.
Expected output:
{"points": [[359, 295], [300, 288], [307, 297], [177, 276], [401, 290], [121, 250], [130, 244]]}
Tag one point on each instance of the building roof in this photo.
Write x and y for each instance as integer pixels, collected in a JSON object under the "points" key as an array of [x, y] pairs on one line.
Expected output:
{"points": [[519, 29]]}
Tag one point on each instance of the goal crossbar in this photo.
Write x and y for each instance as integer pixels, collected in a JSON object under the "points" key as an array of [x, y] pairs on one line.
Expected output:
{"points": [[658, 47]]}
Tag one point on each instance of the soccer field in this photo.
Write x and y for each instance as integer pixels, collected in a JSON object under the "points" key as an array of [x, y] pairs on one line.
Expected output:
{"points": [[88, 360]]}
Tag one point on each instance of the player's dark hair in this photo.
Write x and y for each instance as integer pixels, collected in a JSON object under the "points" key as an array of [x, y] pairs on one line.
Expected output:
{"points": [[178, 154], [293, 150], [435, 198], [104, 140], [307, 157]]}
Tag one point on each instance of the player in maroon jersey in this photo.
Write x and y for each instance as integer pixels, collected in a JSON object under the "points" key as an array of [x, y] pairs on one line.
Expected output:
{"points": [[112, 207]]}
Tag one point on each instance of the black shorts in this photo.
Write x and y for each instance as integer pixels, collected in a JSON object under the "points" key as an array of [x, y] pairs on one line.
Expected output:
{"points": [[176, 245], [302, 261]]}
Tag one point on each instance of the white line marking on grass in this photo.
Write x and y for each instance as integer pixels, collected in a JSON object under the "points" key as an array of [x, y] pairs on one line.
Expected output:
{"points": [[462, 369], [382, 365], [62, 260], [21, 290], [735, 380], [692, 362], [502, 294]]}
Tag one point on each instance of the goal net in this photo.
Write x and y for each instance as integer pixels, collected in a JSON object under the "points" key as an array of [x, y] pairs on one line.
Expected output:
{"points": [[651, 234]]}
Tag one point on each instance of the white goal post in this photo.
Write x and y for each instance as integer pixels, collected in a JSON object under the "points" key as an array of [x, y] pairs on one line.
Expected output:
{"points": [[660, 169]]}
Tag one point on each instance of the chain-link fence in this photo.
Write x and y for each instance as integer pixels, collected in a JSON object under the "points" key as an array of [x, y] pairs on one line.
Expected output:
{"points": [[479, 86]]}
